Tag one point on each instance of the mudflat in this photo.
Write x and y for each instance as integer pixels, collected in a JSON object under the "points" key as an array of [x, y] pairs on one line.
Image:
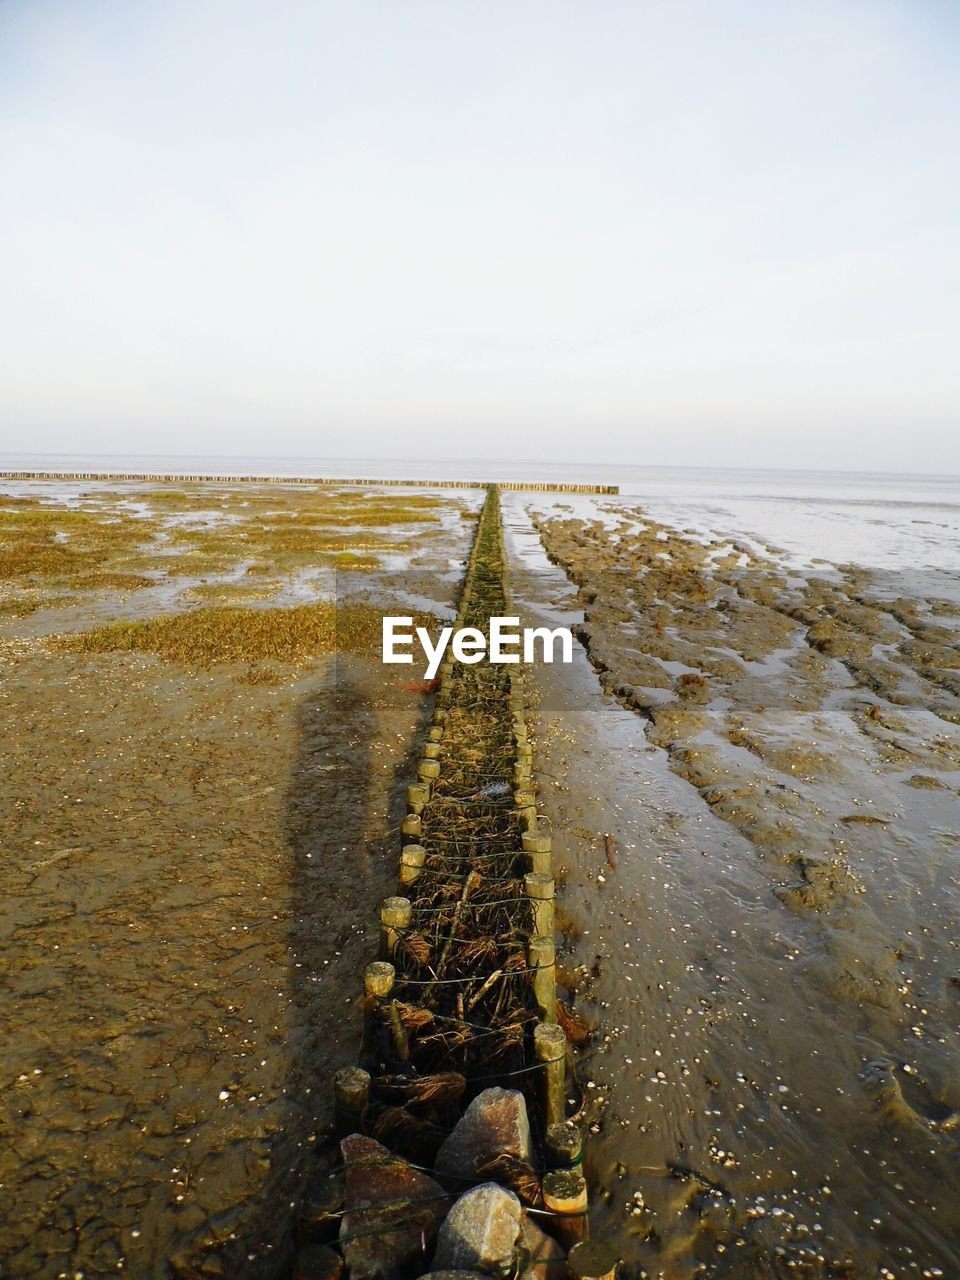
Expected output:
{"points": [[752, 772], [755, 802], [203, 759]]}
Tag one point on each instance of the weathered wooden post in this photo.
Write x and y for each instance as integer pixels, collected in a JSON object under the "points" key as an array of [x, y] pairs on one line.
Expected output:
{"points": [[592, 1260], [538, 850], [564, 1144], [378, 980], [542, 955], [411, 829], [418, 794], [351, 1091], [565, 1195], [428, 771], [395, 915], [550, 1046], [539, 888], [412, 858]]}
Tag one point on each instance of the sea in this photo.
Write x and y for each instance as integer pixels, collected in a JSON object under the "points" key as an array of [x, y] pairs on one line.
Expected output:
{"points": [[882, 520]]}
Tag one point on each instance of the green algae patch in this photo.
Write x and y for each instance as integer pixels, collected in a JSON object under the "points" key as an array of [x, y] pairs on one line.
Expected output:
{"points": [[358, 561], [234, 592], [236, 634]]}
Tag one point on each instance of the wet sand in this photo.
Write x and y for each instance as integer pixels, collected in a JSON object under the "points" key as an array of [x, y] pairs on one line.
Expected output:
{"points": [[769, 950], [193, 854], [766, 946]]}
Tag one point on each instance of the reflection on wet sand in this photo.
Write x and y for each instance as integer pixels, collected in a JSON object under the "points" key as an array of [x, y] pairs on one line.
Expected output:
{"points": [[772, 961]]}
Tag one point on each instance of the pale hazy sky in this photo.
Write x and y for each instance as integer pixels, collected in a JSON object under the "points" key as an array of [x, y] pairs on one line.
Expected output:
{"points": [[716, 231]]}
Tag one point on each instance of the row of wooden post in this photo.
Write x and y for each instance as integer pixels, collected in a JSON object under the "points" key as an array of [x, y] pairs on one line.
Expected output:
{"points": [[200, 478], [563, 1186]]}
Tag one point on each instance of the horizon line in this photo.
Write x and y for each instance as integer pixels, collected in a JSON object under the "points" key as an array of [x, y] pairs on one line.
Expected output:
{"points": [[461, 460]]}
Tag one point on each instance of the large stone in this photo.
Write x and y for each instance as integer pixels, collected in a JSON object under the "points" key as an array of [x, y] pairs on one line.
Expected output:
{"points": [[480, 1231], [317, 1262], [538, 1253], [495, 1123], [392, 1213]]}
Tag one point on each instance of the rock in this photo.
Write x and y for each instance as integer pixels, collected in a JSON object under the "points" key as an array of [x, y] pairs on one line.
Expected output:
{"points": [[538, 1252], [481, 1230], [317, 1262], [392, 1212], [495, 1123], [321, 1208]]}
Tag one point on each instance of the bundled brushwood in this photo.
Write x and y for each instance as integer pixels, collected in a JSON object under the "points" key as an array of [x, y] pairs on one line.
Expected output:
{"points": [[463, 960]]}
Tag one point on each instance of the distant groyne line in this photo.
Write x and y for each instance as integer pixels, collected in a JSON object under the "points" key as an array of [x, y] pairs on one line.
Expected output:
{"points": [[183, 478]]}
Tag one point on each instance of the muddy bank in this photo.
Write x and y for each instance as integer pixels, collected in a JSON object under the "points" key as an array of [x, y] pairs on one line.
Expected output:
{"points": [[191, 855], [805, 709], [770, 954]]}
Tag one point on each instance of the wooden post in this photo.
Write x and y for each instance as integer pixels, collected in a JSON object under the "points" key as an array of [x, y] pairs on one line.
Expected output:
{"points": [[592, 1260], [395, 914], [538, 850], [411, 829], [412, 858], [539, 888], [565, 1194], [564, 1144], [526, 803], [351, 1090], [543, 959], [378, 979], [550, 1046], [428, 771], [418, 793]]}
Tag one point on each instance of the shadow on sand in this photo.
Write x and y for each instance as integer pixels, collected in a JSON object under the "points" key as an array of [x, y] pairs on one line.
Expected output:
{"points": [[357, 746]]}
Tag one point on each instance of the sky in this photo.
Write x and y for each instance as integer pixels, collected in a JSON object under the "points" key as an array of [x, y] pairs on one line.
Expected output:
{"points": [[721, 232]]}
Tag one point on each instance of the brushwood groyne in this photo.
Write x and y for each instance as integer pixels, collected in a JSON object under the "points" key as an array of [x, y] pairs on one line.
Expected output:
{"points": [[455, 1150], [186, 478]]}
